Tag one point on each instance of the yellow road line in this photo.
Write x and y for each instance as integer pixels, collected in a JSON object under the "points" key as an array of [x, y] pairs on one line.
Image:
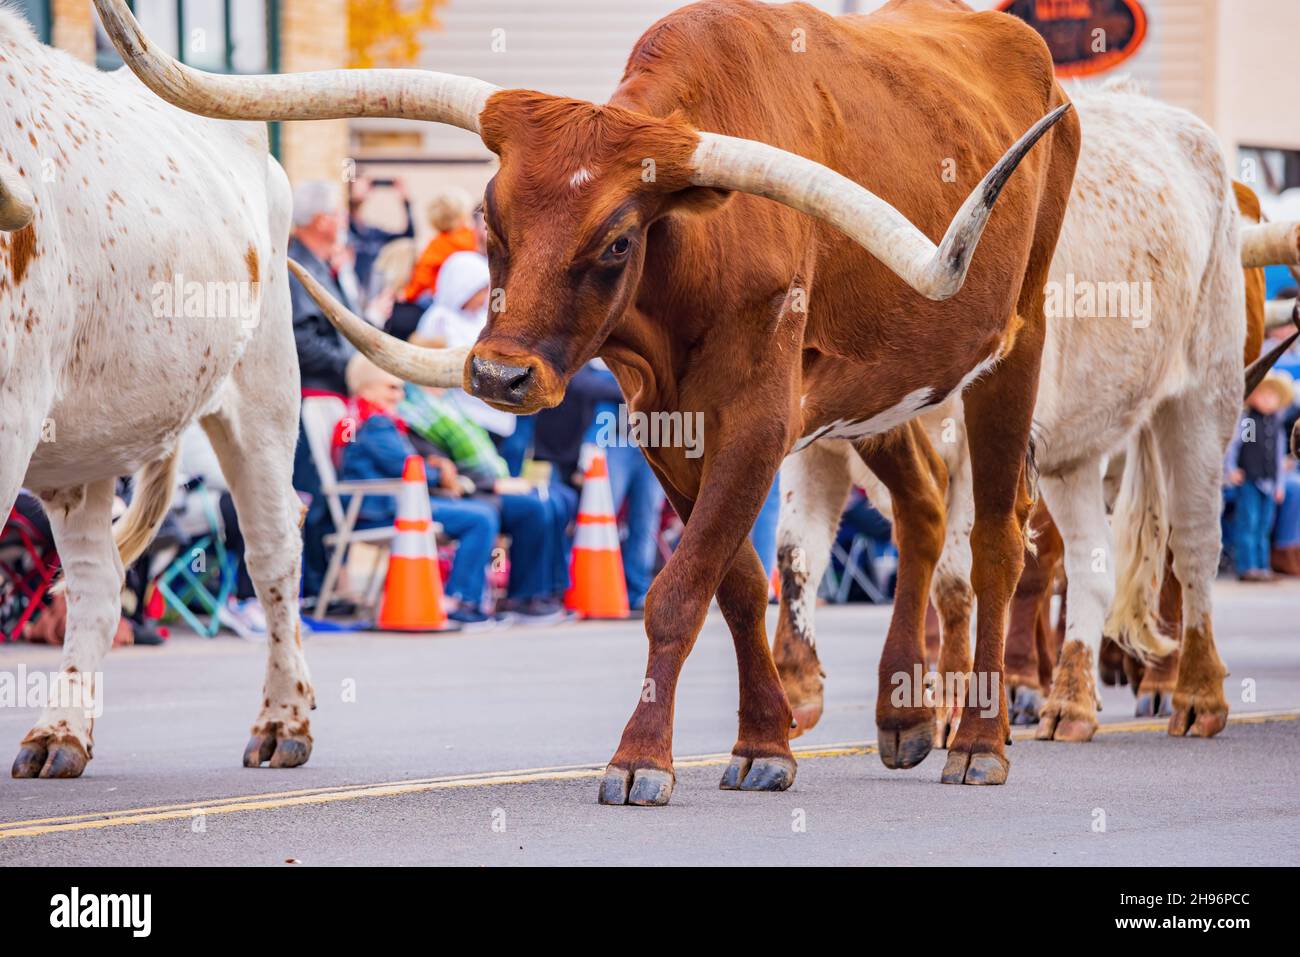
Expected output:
{"points": [[351, 792]]}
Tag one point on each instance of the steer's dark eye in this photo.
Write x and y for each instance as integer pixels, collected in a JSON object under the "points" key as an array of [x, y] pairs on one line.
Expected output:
{"points": [[618, 248]]}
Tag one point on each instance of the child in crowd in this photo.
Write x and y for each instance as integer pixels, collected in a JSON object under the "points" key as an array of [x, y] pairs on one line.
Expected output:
{"points": [[450, 215], [1255, 466]]}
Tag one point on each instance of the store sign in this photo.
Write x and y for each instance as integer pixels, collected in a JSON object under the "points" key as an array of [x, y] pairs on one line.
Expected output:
{"points": [[1085, 36]]}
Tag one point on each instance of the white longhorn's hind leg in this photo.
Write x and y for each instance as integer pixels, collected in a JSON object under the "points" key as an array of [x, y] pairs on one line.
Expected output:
{"points": [[953, 596], [1192, 436], [814, 485], [59, 746], [1077, 502]]}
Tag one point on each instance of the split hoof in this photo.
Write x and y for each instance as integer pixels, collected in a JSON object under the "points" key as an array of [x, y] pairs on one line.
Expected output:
{"points": [[647, 787], [1026, 705], [1191, 723], [980, 768], [905, 747], [277, 748], [1052, 727], [1154, 704], [64, 758], [758, 774]]}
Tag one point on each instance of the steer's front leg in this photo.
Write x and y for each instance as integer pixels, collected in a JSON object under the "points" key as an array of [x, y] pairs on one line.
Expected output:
{"points": [[739, 469]]}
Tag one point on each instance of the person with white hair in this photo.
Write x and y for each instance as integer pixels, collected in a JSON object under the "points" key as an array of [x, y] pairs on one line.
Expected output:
{"points": [[323, 354]]}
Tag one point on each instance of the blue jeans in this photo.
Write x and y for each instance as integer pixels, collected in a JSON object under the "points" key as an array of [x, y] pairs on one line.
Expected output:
{"points": [[1287, 533], [763, 534], [1253, 528], [632, 480], [474, 526], [538, 550], [514, 447]]}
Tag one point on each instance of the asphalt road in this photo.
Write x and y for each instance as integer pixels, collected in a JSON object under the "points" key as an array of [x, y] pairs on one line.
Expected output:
{"points": [[486, 750]]}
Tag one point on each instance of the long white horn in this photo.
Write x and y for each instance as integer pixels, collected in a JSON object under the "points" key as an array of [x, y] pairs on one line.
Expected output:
{"points": [[1270, 244], [444, 368], [328, 94], [727, 162], [16, 201]]}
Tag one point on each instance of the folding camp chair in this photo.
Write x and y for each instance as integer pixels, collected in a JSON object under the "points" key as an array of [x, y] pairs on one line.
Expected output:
{"points": [[203, 574], [320, 416], [29, 563], [836, 587]]}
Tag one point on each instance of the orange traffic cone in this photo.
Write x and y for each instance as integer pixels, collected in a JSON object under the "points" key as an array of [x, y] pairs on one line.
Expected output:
{"points": [[413, 590], [597, 588]]}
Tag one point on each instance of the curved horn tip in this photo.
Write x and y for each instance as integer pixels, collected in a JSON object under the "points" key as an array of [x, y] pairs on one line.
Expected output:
{"points": [[998, 176]]}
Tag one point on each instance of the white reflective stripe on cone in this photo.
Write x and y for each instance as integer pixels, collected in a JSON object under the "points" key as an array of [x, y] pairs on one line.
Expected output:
{"points": [[597, 536]]}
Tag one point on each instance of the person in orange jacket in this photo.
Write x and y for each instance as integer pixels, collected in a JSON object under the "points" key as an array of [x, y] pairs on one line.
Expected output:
{"points": [[450, 214]]}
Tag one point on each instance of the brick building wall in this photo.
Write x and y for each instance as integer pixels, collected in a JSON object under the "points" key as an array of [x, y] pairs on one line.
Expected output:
{"points": [[72, 28], [313, 36]]}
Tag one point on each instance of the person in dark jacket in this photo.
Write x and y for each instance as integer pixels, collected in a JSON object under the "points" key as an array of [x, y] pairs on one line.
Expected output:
{"points": [[323, 357], [1254, 465], [323, 354]]}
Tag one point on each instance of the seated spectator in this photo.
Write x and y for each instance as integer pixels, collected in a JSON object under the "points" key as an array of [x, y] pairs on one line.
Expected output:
{"points": [[450, 216], [1255, 466], [378, 448], [537, 523]]}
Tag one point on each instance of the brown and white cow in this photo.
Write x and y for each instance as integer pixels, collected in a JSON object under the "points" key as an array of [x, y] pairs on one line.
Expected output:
{"points": [[641, 231], [110, 201], [1166, 387]]}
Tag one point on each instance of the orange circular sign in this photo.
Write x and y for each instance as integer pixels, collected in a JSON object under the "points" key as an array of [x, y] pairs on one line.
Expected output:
{"points": [[1085, 36]]}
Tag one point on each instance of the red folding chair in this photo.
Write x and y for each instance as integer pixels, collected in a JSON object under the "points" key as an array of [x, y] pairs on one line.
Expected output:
{"points": [[28, 566]]}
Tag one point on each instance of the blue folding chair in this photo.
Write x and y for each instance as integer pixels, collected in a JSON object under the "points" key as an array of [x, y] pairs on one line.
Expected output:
{"points": [[201, 578]]}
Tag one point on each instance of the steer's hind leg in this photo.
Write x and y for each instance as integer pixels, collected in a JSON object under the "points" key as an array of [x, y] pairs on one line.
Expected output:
{"points": [[760, 759], [905, 710], [59, 746], [1076, 499], [1024, 687], [1192, 447], [814, 485], [999, 407]]}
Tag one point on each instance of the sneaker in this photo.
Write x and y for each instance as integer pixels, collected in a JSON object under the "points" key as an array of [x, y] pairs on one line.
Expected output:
{"points": [[244, 618], [250, 609], [535, 611], [472, 618]]}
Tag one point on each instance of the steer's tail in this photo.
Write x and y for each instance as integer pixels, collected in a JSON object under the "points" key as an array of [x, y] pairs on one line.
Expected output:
{"points": [[154, 485], [16, 202], [1141, 537]]}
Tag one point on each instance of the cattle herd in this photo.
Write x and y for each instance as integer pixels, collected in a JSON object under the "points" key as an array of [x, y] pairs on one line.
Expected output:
{"points": [[709, 233]]}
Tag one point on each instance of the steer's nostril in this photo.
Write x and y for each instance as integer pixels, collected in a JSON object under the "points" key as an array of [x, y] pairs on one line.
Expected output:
{"points": [[518, 387], [498, 382]]}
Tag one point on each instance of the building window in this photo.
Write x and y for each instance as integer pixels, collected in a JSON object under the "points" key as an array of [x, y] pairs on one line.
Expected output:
{"points": [[38, 12], [223, 36]]}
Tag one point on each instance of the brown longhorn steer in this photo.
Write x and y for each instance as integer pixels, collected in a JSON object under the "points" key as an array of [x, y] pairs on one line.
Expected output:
{"points": [[626, 231]]}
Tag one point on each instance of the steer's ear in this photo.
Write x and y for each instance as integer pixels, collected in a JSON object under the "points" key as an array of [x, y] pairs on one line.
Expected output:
{"points": [[696, 200]]}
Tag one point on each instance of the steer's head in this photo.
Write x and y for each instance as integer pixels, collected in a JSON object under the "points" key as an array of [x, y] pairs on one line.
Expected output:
{"points": [[569, 210], [567, 217]]}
